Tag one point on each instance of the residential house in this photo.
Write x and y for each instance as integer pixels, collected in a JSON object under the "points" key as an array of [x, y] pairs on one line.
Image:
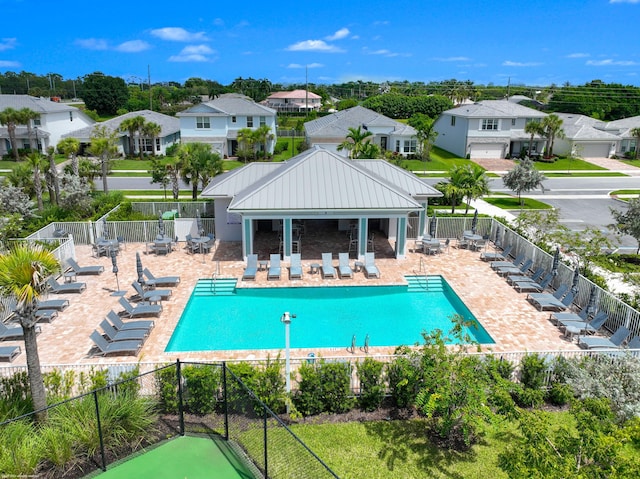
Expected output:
{"points": [[487, 129], [318, 185], [169, 133], [390, 135], [294, 101], [55, 120], [218, 121], [627, 143], [585, 137]]}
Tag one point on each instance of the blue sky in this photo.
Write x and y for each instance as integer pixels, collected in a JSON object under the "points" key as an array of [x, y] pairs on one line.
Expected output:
{"points": [[536, 42]]}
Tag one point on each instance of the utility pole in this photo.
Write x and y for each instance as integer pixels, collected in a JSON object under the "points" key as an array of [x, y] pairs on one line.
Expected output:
{"points": [[150, 95], [306, 89], [508, 87]]}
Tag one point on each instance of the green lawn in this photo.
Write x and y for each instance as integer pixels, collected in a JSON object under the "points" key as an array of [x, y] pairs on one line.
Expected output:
{"points": [[10, 164], [133, 164], [512, 203], [566, 165], [583, 175], [441, 160], [625, 192]]}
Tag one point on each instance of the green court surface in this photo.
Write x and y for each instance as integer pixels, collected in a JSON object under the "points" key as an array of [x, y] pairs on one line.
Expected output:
{"points": [[183, 458]]}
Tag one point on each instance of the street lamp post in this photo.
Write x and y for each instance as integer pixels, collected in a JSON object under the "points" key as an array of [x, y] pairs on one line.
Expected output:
{"points": [[293, 141], [286, 319]]}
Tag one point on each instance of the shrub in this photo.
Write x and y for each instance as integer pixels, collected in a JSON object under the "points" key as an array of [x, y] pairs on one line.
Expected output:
{"points": [[281, 146], [528, 397], [15, 395], [269, 385], [57, 446], [560, 394], [59, 384], [335, 380], [19, 450], [405, 379], [372, 390], [238, 398], [167, 387], [307, 399], [533, 371], [202, 384]]}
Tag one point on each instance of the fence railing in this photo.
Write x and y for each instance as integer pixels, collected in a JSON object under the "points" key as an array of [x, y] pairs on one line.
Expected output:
{"points": [[188, 209]]}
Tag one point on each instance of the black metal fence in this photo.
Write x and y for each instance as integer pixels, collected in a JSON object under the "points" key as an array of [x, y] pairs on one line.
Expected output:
{"points": [[90, 432]]}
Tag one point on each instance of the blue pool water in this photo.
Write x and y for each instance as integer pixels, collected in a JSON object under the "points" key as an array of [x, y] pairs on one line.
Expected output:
{"points": [[326, 317]]}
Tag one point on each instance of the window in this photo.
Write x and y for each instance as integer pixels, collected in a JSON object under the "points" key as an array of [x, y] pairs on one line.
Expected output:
{"points": [[489, 124], [397, 146], [249, 122], [157, 144], [453, 121], [234, 119], [410, 146], [36, 122], [513, 122], [263, 120], [203, 122]]}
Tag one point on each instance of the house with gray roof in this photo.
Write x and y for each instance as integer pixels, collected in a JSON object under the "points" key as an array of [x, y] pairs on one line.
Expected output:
{"points": [[55, 120], [218, 121], [487, 129], [628, 143], [169, 133], [388, 134], [585, 137], [318, 185]]}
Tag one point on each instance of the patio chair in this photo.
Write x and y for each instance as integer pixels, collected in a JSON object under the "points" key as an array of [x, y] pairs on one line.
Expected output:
{"points": [[344, 270], [98, 250], [114, 335], [141, 309], [515, 270], [274, 267], [370, 268], [295, 268], [496, 256], [9, 353], [557, 316], [328, 271], [584, 327], [153, 281], [534, 278], [251, 269], [116, 347], [57, 288], [614, 342], [13, 333], [142, 295], [81, 270], [551, 302], [206, 248], [477, 245], [515, 263], [120, 325], [532, 287], [57, 304], [44, 315], [557, 294]]}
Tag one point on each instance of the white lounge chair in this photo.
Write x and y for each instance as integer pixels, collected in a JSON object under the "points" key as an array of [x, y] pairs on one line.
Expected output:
{"points": [[370, 268], [328, 271]]}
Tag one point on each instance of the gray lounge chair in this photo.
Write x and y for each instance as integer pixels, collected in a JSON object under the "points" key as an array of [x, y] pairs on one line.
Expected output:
{"points": [[274, 267], [252, 268], [496, 256], [558, 316], [119, 325], [295, 268], [328, 271], [9, 353], [557, 294], [13, 333], [534, 278], [115, 335], [116, 347], [58, 288], [532, 287], [370, 268], [81, 270], [515, 270], [57, 304], [42, 314], [501, 264], [584, 327], [142, 295], [141, 309], [344, 270], [160, 281], [614, 342], [546, 304]]}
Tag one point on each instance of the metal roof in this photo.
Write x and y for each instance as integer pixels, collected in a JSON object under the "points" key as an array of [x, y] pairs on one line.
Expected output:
{"points": [[400, 177], [37, 104], [317, 180]]}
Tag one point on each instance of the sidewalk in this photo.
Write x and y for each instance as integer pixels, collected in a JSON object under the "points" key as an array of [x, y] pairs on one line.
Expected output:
{"points": [[486, 209]]}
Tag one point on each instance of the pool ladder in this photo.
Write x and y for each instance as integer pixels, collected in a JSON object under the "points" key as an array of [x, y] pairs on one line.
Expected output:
{"points": [[353, 347], [214, 277]]}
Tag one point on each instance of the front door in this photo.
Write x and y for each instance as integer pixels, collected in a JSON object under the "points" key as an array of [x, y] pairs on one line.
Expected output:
{"points": [[383, 143]]}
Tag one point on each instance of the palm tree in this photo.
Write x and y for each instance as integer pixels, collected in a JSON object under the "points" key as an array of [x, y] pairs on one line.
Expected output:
{"points": [[533, 128], [197, 165], [28, 115], [130, 127], [262, 135], [152, 130], [104, 147], [246, 141], [426, 133], [354, 141], [476, 184], [552, 125], [23, 274], [10, 117], [70, 147], [35, 160], [454, 190], [636, 134]]}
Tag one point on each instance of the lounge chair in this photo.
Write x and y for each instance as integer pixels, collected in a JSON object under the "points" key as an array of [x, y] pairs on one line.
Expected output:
{"points": [[557, 317], [614, 342], [515, 270], [42, 314], [532, 287], [9, 353], [557, 294], [295, 268], [13, 333], [515, 263], [584, 327], [116, 347], [344, 270], [57, 304], [142, 295], [274, 267], [120, 325], [80, 270], [58, 288], [141, 309], [153, 281], [370, 268], [546, 304], [252, 268], [328, 271], [114, 335], [496, 256], [534, 278], [634, 343]]}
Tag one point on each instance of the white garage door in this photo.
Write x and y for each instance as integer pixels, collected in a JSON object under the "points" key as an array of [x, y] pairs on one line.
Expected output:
{"points": [[593, 150], [488, 150]]}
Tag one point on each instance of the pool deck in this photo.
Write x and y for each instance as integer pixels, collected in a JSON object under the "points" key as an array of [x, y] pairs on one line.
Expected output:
{"points": [[508, 317]]}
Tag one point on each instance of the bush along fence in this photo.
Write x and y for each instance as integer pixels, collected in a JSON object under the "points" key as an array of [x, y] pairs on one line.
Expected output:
{"points": [[113, 419]]}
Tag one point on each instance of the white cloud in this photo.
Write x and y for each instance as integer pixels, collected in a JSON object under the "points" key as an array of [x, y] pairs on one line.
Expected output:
{"points": [[92, 43], [314, 46], [609, 62], [133, 46], [177, 34], [9, 64], [452, 59], [340, 34], [624, 1], [7, 44], [310, 65], [509, 63], [384, 52], [193, 53], [578, 55]]}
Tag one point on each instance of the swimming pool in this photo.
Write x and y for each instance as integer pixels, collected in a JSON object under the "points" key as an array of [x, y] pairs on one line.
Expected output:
{"points": [[326, 317]]}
